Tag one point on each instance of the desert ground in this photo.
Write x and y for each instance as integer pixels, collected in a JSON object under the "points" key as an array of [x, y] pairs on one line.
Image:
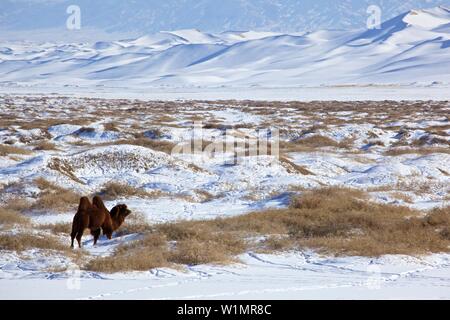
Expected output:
{"points": [[230, 199]]}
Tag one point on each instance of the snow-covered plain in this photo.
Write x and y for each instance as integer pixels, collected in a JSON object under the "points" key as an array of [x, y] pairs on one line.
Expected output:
{"points": [[92, 151]]}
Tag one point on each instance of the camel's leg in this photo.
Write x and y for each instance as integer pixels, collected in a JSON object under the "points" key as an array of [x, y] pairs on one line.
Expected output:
{"points": [[79, 235], [109, 235], [73, 235], [96, 235]]}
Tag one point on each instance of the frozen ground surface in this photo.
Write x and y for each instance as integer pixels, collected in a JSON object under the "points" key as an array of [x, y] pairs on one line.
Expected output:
{"points": [[344, 93], [286, 276], [397, 151]]}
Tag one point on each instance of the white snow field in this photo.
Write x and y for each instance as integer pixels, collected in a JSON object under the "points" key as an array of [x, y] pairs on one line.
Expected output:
{"points": [[410, 49], [398, 152]]}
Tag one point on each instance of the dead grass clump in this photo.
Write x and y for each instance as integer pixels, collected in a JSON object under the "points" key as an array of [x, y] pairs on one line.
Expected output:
{"points": [[6, 150], [57, 228], [319, 141], [416, 185], [150, 252], [113, 190], [312, 143], [292, 167], [439, 217], [135, 224], [47, 122], [164, 118], [378, 143], [219, 249], [45, 145], [17, 204], [12, 217], [21, 242], [204, 195], [157, 145], [53, 197], [419, 151], [63, 167], [402, 196], [327, 198], [277, 243], [110, 126]]}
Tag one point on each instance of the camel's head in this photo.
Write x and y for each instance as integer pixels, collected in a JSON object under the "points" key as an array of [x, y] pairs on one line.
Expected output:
{"points": [[119, 213]]}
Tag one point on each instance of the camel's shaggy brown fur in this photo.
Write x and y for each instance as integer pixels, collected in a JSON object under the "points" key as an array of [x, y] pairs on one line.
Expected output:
{"points": [[97, 218]]}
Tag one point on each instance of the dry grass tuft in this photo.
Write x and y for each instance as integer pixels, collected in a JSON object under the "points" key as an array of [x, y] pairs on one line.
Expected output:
{"points": [[291, 167], [57, 228], [402, 196], [53, 197], [150, 252], [9, 217], [420, 151], [63, 166], [217, 249], [204, 195], [327, 198], [135, 224], [111, 126], [157, 145], [318, 141], [114, 190], [21, 242], [17, 204], [45, 145], [6, 150]]}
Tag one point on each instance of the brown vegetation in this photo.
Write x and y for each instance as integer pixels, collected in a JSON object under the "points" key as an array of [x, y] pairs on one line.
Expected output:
{"points": [[57, 228], [331, 220], [53, 197], [6, 150], [23, 241], [157, 145], [113, 190], [10, 216], [44, 145], [420, 151], [292, 167]]}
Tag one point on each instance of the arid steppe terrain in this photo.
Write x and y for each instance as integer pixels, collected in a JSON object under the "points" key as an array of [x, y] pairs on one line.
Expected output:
{"points": [[260, 197]]}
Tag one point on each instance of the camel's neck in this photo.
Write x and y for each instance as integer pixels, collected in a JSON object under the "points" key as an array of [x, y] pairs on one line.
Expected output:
{"points": [[116, 223]]}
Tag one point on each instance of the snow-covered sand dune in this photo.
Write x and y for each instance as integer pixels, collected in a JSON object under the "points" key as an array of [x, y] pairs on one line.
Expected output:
{"points": [[412, 48]]}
